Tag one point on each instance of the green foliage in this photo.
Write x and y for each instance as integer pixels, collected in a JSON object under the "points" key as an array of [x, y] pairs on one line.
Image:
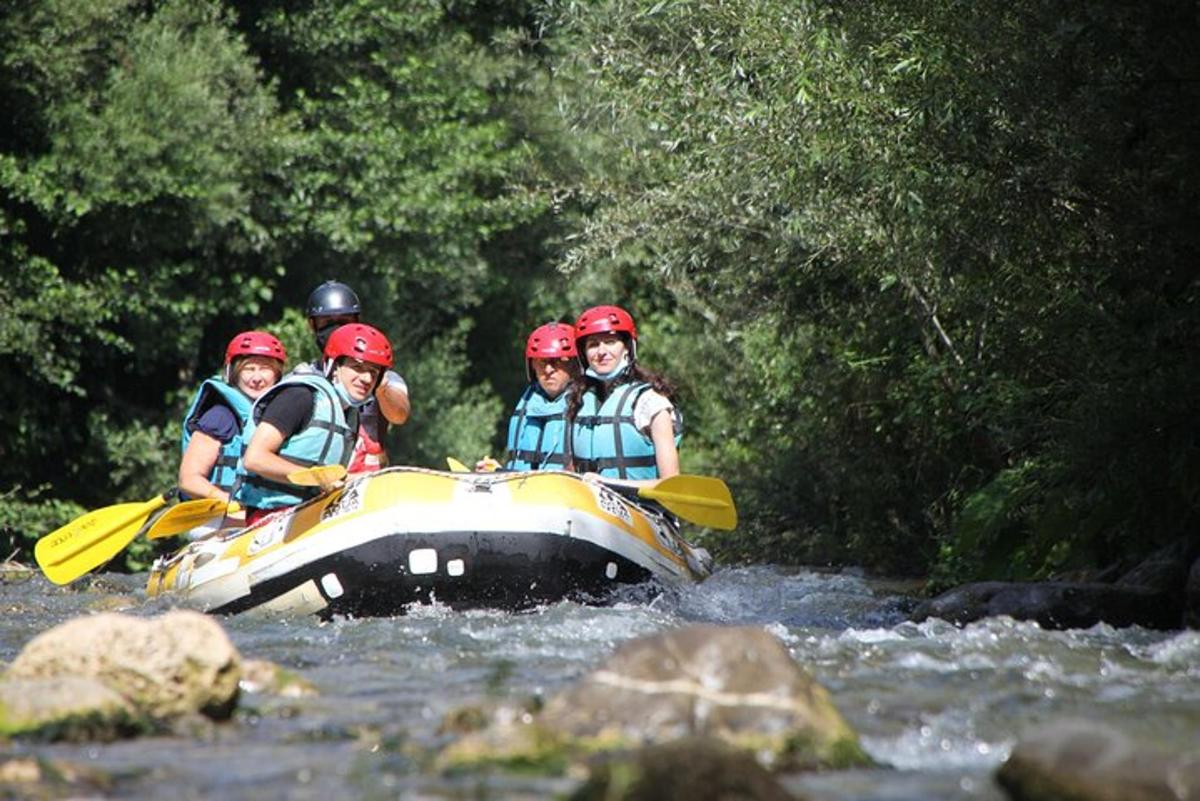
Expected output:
{"points": [[450, 418], [28, 514], [177, 172], [923, 272], [933, 245]]}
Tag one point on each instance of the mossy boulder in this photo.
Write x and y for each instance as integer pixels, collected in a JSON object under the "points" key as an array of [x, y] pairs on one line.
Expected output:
{"points": [[66, 708], [736, 685], [268, 678], [107, 675]]}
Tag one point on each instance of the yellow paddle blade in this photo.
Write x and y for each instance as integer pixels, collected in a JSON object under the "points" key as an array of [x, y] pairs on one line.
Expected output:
{"points": [[702, 500], [323, 475], [187, 515], [457, 466], [89, 541]]}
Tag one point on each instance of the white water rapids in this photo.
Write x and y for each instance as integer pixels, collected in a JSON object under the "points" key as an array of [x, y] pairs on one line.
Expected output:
{"points": [[939, 706]]}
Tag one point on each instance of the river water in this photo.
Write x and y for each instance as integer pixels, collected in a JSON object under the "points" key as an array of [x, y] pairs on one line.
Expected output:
{"points": [[939, 706]]}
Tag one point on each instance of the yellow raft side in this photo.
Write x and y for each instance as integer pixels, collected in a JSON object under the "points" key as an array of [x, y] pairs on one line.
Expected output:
{"points": [[566, 489], [415, 486]]}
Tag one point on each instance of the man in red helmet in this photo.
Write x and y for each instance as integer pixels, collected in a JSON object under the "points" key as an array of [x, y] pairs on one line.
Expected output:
{"points": [[333, 304], [537, 428], [310, 419]]}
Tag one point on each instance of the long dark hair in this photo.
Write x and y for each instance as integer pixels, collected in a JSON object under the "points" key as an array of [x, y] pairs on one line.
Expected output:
{"points": [[581, 383]]}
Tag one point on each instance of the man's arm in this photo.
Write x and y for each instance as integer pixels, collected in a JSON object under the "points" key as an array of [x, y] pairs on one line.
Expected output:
{"points": [[392, 394], [288, 412], [262, 455]]}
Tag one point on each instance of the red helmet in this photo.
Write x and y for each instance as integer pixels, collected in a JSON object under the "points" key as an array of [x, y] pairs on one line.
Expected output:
{"points": [[255, 343], [604, 320], [359, 341], [551, 341]]}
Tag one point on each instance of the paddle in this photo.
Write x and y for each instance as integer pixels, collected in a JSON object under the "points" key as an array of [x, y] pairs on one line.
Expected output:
{"points": [[324, 476], [89, 541], [702, 500], [188, 515]]}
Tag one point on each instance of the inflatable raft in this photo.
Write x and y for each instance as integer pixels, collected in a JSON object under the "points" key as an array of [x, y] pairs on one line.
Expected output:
{"points": [[408, 535]]}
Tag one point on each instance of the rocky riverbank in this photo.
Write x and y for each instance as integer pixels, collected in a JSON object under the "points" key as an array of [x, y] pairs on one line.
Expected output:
{"points": [[695, 712], [1162, 592]]}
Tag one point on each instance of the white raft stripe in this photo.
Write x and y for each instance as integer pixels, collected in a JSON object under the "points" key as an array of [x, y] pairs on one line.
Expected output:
{"points": [[431, 519], [485, 512]]}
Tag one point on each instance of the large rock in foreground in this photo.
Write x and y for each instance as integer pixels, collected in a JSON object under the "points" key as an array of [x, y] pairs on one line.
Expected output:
{"points": [[66, 708], [1086, 761], [737, 685], [160, 669]]}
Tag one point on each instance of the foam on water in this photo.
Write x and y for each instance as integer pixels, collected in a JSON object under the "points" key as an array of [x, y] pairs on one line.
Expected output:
{"points": [[942, 703]]}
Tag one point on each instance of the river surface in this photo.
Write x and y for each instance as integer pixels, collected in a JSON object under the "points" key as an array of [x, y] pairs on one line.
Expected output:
{"points": [[939, 706]]}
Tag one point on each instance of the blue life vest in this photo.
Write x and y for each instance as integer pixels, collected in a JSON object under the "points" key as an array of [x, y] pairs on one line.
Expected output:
{"points": [[214, 391], [327, 439], [537, 432], [369, 452], [604, 439]]}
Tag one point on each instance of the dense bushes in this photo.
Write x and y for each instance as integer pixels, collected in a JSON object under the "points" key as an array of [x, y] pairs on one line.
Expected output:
{"points": [[926, 272], [933, 275]]}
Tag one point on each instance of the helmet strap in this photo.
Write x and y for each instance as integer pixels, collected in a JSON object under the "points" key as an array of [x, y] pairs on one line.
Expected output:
{"points": [[621, 367], [344, 394]]}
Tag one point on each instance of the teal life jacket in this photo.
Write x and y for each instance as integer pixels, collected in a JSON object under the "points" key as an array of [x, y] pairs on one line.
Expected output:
{"points": [[214, 391], [369, 452], [537, 432], [604, 439], [327, 439]]}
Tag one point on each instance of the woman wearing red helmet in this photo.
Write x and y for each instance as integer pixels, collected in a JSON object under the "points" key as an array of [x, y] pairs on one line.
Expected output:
{"points": [[217, 415], [622, 417], [310, 419]]}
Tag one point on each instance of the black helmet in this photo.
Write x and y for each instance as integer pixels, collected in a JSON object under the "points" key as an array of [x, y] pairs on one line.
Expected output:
{"points": [[332, 298]]}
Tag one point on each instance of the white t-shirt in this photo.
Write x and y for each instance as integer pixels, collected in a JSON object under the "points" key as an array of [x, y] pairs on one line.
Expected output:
{"points": [[648, 405]]}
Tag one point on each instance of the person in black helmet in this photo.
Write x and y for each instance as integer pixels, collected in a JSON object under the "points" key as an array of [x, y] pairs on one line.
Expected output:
{"points": [[331, 305]]}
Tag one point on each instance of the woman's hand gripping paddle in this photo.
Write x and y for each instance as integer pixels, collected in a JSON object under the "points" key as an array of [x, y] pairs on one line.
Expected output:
{"points": [[325, 476]]}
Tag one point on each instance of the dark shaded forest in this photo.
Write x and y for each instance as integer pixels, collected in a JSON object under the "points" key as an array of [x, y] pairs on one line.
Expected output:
{"points": [[925, 272]]}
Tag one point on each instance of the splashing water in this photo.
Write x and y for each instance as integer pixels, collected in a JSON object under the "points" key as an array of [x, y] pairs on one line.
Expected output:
{"points": [[939, 706]]}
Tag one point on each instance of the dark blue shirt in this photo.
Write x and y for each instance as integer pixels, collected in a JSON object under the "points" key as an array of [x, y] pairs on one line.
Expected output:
{"points": [[219, 422]]}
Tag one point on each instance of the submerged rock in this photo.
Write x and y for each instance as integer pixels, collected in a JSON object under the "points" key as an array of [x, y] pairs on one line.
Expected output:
{"points": [[1088, 761], [738, 685], [692, 769], [1191, 598], [261, 676], [159, 669], [1056, 605], [34, 779]]}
